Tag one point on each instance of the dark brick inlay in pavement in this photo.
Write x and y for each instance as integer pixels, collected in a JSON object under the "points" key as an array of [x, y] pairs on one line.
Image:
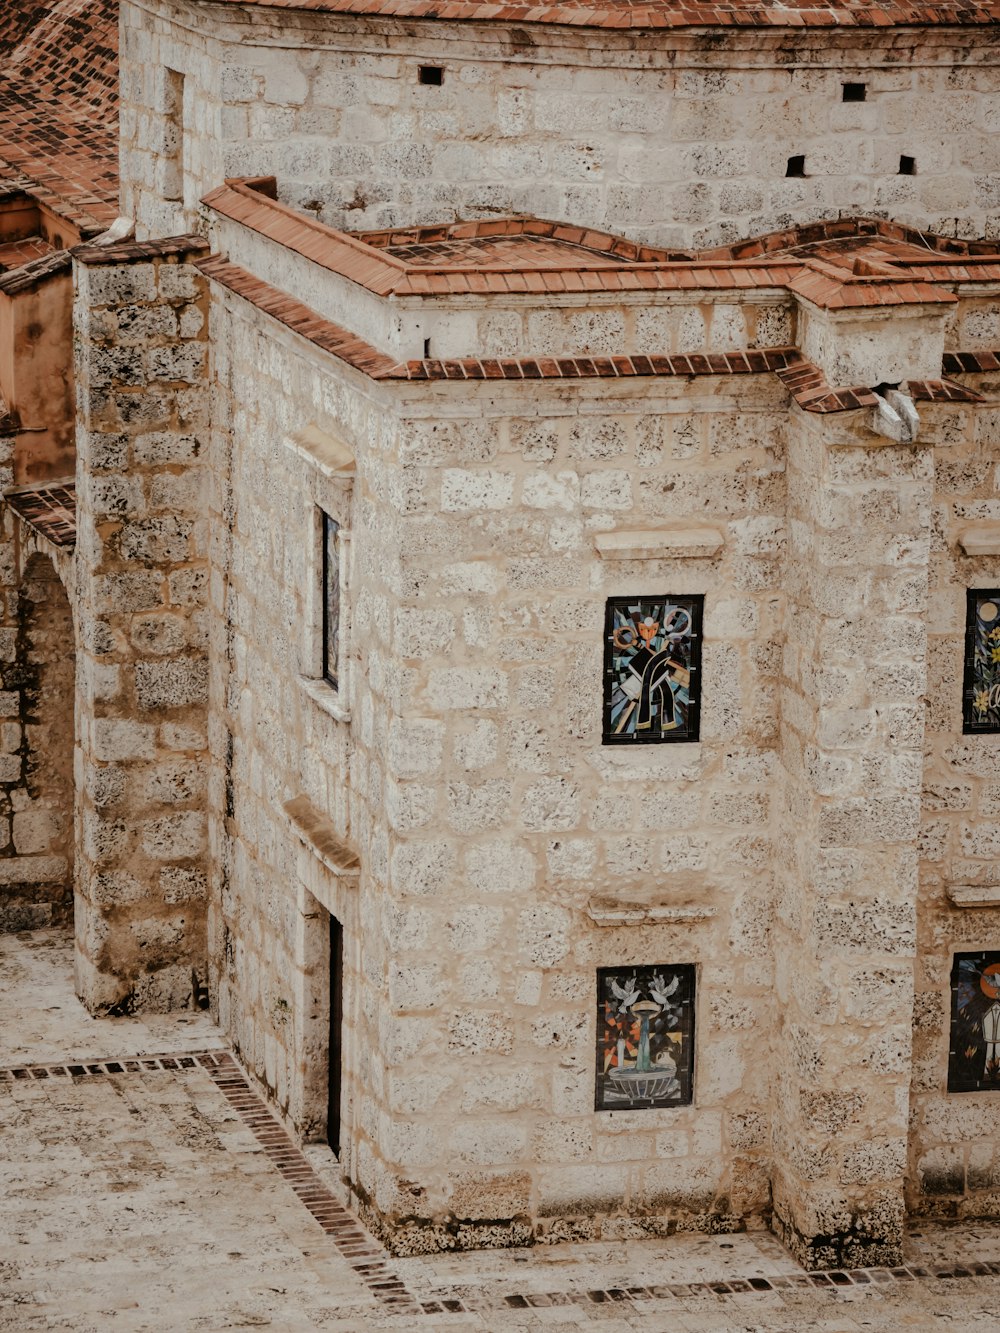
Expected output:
{"points": [[370, 1261]]}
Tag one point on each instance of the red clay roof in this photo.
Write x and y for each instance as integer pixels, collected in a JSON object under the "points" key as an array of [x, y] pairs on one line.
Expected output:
{"points": [[15, 253], [59, 105], [804, 380], [836, 266], [668, 13], [50, 510]]}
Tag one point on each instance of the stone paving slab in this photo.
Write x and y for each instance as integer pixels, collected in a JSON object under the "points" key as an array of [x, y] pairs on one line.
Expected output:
{"points": [[46, 1022], [142, 1194]]}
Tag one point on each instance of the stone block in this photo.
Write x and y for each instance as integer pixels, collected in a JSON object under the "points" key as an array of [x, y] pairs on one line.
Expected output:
{"points": [[35, 831], [121, 739], [463, 490], [174, 837], [32, 869], [177, 683], [500, 866], [113, 284], [451, 688]]}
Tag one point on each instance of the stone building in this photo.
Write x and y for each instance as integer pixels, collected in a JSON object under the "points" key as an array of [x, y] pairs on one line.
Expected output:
{"points": [[531, 560]]}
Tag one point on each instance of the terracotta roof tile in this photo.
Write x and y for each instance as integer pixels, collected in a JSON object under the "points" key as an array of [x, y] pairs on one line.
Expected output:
{"points": [[943, 391], [58, 104], [821, 263], [807, 385], [804, 380], [129, 252], [50, 510], [26, 277], [971, 363]]}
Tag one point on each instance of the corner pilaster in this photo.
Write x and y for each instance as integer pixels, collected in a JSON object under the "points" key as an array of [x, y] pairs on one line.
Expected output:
{"points": [[851, 745]]}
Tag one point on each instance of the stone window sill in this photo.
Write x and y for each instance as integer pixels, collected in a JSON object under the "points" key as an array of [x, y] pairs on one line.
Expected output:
{"points": [[325, 697]]}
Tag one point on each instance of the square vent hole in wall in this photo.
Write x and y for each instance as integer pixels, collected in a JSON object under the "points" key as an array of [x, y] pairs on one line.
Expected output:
{"points": [[854, 92], [796, 166], [430, 74], [907, 166]]}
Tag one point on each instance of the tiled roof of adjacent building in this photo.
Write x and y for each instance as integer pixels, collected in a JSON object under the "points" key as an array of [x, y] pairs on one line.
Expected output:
{"points": [[49, 509], [668, 13], [59, 105]]}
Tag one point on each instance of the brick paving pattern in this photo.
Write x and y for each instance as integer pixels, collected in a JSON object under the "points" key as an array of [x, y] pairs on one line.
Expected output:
{"points": [[153, 1189]]}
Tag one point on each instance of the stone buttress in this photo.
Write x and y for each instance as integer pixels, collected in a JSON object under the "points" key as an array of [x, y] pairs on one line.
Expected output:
{"points": [[142, 350]]}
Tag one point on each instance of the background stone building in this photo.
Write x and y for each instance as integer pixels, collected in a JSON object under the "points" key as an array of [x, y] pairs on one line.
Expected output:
{"points": [[444, 336]]}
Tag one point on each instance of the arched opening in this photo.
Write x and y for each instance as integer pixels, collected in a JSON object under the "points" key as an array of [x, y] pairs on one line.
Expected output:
{"points": [[36, 755]]}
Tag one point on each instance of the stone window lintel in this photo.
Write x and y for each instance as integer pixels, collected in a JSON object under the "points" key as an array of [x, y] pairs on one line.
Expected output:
{"points": [[980, 539], [319, 835], [973, 895], [659, 543]]}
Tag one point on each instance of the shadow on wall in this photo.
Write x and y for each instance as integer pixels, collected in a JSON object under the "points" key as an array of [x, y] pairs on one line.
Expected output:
{"points": [[36, 753]]}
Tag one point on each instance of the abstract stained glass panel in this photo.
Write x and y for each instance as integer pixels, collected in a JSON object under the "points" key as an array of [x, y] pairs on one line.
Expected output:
{"points": [[981, 694], [645, 1036], [652, 669], [974, 1049]]}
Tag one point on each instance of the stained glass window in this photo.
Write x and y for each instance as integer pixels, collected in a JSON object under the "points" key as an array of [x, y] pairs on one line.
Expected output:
{"points": [[645, 1036], [652, 669], [974, 1049], [981, 695], [331, 599]]}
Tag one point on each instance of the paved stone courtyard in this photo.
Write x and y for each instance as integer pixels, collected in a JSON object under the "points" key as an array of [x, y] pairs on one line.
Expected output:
{"points": [[145, 1187]]}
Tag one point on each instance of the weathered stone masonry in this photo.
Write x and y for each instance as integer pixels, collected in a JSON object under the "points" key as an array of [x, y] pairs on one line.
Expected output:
{"points": [[142, 676], [511, 425]]}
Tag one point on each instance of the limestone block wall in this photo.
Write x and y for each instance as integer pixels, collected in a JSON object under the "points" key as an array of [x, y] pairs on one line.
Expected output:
{"points": [[507, 816], [853, 679], [279, 734], [142, 676], [606, 326], [473, 784], [954, 1170], [680, 139]]}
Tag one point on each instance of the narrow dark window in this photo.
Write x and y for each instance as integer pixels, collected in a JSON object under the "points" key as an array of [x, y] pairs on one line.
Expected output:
{"points": [[854, 92], [335, 1047], [331, 599], [907, 166], [432, 74], [427, 348], [796, 166]]}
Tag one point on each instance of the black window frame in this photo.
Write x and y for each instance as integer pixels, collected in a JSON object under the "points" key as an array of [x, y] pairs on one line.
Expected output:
{"points": [[970, 727], [329, 526]]}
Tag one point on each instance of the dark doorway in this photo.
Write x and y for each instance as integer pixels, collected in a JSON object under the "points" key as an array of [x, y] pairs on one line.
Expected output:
{"points": [[336, 1031]]}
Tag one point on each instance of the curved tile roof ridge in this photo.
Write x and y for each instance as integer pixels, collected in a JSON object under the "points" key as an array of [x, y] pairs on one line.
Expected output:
{"points": [[655, 14], [763, 263]]}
